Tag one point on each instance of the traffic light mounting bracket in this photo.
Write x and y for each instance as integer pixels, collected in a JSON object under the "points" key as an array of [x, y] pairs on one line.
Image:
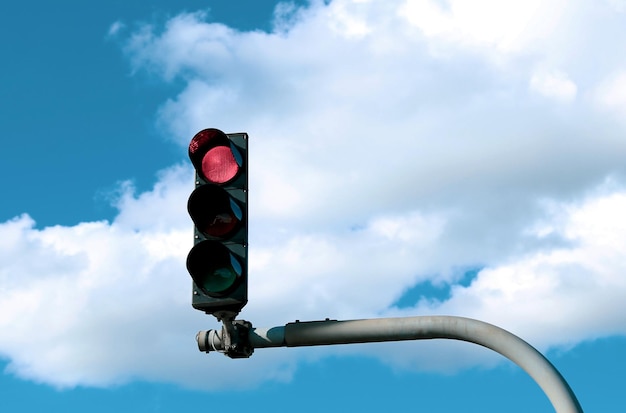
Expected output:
{"points": [[233, 340]]}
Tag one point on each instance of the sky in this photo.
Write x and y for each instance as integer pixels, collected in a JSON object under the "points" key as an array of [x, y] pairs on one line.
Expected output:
{"points": [[407, 157]]}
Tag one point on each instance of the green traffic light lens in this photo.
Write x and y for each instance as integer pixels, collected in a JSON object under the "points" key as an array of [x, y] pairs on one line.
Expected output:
{"points": [[213, 268], [219, 280]]}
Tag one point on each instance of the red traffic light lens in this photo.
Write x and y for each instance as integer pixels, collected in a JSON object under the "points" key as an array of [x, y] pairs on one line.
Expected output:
{"points": [[215, 157], [219, 165]]}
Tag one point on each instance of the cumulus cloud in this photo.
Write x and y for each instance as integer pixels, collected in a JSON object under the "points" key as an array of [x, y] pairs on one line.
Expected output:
{"points": [[554, 84], [115, 28], [102, 303], [618, 5], [572, 291], [508, 27], [391, 143], [611, 94]]}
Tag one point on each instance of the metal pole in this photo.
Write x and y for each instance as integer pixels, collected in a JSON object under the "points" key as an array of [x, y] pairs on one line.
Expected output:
{"points": [[317, 333]]}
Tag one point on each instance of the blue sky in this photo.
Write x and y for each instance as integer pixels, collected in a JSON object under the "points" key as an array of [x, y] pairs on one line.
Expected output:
{"points": [[406, 158]]}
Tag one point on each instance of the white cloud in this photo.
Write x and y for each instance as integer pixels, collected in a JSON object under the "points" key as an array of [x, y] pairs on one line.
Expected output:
{"points": [[384, 151], [611, 93], [554, 84], [101, 303], [507, 27], [575, 291], [116, 28], [618, 5]]}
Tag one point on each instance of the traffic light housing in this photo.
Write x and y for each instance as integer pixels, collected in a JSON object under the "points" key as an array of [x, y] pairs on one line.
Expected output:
{"points": [[218, 206]]}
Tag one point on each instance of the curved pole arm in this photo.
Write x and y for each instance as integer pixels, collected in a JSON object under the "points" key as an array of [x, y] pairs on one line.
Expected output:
{"points": [[317, 333]]}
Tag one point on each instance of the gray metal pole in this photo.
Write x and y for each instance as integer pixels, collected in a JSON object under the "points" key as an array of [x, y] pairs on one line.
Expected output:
{"points": [[317, 333]]}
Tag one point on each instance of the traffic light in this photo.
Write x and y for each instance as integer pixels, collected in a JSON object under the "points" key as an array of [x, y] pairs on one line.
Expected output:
{"points": [[218, 206]]}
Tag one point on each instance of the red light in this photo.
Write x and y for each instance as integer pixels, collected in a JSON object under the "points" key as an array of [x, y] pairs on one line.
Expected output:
{"points": [[219, 165]]}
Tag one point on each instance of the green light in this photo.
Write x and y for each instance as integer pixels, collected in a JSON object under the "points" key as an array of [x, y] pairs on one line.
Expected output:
{"points": [[213, 268], [219, 280]]}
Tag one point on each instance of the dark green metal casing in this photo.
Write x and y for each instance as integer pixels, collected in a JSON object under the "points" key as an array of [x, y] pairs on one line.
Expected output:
{"points": [[213, 251]]}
